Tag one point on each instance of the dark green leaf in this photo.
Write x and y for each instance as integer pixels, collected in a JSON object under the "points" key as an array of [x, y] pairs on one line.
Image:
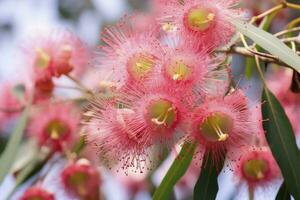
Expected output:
{"points": [[281, 139], [176, 171], [295, 86], [207, 187], [3, 142], [9, 154], [283, 193]]}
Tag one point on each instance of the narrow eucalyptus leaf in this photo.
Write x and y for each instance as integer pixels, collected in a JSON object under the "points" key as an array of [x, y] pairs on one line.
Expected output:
{"points": [[268, 42], [282, 141]]}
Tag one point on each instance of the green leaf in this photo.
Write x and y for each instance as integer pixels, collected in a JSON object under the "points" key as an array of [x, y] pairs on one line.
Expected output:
{"points": [[176, 171], [207, 187], [9, 154], [19, 91], [281, 139], [268, 42], [79, 145], [283, 193], [36, 164], [250, 65], [250, 62]]}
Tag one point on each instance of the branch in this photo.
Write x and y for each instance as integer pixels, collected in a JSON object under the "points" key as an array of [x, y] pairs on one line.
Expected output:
{"points": [[246, 52]]}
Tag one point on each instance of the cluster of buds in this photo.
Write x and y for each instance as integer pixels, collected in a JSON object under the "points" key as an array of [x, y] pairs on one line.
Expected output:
{"points": [[59, 53]]}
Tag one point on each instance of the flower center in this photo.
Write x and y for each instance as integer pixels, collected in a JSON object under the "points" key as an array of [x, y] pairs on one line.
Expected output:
{"points": [[56, 129], [162, 113], [216, 128], [42, 59], [178, 71], [255, 169], [78, 178], [139, 65], [77, 181], [199, 19]]}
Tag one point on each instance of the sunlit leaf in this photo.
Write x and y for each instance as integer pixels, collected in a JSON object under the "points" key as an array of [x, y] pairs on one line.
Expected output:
{"points": [[250, 62], [176, 171], [268, 42], [9, 154]]}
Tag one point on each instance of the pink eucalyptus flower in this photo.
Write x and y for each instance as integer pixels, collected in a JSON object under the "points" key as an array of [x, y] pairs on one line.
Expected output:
{"points": [[158, 111], [129, 54], [105, 131], [223, 124], [55, 125], [145, 118], [83, 179], [35, 193], [145, 22], [207, 22], [257, 167], [189, 71]]}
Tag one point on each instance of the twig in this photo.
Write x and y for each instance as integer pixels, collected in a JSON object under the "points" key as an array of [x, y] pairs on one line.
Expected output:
{"points": [[245, 52], [80, 85], [293, 6], [287, 31], [268, 12], [291, 39]]}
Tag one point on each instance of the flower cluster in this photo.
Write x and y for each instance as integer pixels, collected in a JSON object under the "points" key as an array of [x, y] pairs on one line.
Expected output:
{"points": [[168, 86], [158, 83]]}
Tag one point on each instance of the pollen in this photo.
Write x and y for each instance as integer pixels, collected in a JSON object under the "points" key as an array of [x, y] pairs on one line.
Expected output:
{"points": [[255, 169], [42, 59], [199, 19], [216, 128], [162, 113], [168, 27], [140, 65], [179, 71], [56, 129]]}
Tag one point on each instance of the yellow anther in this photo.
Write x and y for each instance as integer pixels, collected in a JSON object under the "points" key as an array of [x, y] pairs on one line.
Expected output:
{"points": [[42, 58]]}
